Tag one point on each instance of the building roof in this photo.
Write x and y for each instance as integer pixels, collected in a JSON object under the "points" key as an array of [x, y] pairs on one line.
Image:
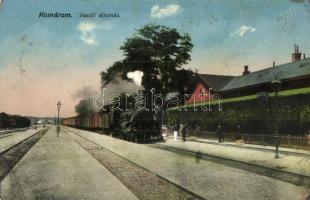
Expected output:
{"points": [[281, 72], [216, 82]]}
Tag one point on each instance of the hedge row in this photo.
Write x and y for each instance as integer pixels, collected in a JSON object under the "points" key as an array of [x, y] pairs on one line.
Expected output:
{"points": [[257, 115]]}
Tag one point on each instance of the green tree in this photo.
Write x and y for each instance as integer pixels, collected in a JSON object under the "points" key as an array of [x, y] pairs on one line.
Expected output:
{"points": [[159, 52]]}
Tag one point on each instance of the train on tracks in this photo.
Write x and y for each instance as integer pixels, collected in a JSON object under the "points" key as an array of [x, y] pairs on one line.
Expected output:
{"points": [[132, 124], [13, 121]]}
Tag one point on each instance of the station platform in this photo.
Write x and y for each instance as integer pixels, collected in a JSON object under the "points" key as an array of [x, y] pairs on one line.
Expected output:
{"points": [[291, 160], [58, 168], [9, 140], [282, 150], [208, 179]]}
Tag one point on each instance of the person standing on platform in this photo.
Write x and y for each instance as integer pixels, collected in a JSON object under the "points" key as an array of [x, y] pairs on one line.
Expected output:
{"points": [[238, 135], [219, 133], [175, 132], [183, 131], [180, 128]]}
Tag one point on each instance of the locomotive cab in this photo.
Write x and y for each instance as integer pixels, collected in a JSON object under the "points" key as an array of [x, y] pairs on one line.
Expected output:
{"points": [[141, 126]]}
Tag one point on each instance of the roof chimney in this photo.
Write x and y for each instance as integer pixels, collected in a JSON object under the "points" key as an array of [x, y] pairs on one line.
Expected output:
{"points": [[304, 56], [273, 64], [296, 56], [246, 70]]}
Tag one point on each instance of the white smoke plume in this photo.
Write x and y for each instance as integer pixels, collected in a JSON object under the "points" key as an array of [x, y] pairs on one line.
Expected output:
{"points": [[85, 97], [87, 92], [115, 88], [136, 76]]}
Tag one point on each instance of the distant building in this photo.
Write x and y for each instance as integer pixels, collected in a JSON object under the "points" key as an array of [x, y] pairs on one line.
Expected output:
{"points": [[50, 121], [293, 75], [41, 121]]}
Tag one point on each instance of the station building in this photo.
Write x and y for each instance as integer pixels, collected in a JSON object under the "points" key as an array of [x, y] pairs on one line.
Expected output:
{"points": [[293, 75]]}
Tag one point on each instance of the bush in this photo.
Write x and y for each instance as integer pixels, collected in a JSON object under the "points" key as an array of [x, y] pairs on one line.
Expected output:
{"points": [[254, 116]]}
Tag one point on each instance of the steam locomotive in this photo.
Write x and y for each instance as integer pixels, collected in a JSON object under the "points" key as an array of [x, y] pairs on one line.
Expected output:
{"points": [[134, 123]]}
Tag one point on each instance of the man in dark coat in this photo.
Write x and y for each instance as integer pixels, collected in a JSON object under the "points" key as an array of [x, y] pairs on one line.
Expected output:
{"points": [[238, 133], [219, 133], [184, 131]]}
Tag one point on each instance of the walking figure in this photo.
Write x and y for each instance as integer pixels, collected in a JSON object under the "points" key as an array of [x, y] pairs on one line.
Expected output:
{"points": [[175, 132], [219, 133], [183, 131], [238, 135]]}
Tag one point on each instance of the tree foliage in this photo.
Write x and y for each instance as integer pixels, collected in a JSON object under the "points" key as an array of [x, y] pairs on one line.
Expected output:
{"points": [[159, 52], [253, 116]]}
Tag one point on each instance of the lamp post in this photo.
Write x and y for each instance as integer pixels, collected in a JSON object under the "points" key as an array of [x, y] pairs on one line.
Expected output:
{"points": [[276, 85], [58, 107]]}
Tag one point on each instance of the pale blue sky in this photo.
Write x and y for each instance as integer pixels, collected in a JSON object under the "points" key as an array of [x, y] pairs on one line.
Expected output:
{"points": [[226, 34], [210, 23]]}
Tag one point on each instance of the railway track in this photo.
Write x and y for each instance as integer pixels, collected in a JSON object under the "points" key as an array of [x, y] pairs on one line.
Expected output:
{"points": [[142, 182], [6, 135], [11, 132], [11, 155], [5, 132]]}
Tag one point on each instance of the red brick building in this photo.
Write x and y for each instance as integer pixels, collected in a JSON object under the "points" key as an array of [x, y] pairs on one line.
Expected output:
{"points": [[206, 86], [293, 75]]}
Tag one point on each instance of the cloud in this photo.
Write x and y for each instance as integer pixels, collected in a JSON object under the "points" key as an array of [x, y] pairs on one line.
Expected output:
{"points": [[243, 30], [88, 39], [157, 12], [88, 29]]}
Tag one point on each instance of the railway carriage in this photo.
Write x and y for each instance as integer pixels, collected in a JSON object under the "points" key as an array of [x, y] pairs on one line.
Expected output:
{"points": [[133, 124], [70, 121], [13, 121]]}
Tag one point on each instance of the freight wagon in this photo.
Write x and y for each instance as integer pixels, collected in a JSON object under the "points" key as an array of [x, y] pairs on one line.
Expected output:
{"points": [[13, 121], [133, 124], [100, 120]]}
